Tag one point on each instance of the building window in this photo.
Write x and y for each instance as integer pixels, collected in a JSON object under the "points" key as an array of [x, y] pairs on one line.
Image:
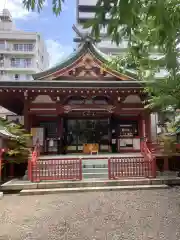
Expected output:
{"points": [[15, 62], [2, 73], [27, 62], [18, 47], [27, 47], [16, 76], [21, 62], [1, 60], [2, 45]]}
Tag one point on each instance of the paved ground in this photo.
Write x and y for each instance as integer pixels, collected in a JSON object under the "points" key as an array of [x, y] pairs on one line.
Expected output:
{"points": [[133, 215]]}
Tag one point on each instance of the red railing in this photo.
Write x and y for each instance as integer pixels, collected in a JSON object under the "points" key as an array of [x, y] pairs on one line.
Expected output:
{"points": [[33, 160], [57, 169], [148, 156], [71, 168], [129, 167]]}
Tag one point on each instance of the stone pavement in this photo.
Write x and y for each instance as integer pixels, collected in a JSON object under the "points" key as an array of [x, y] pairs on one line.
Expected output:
{"points": [[17, 184], [132, 215]]}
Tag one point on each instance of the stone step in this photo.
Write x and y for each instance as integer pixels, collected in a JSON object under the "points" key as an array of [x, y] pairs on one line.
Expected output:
{"points": [[18, 185], [95, 165], [90, 189], [95, 162], [167, 173], [95, 175], [95, 170]]}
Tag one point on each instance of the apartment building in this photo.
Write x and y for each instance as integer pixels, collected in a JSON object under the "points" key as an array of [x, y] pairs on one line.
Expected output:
{"points": [[85, 11], [21, 53]]}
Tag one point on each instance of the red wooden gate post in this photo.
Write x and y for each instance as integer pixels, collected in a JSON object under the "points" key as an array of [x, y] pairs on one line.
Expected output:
{"points": [[36, 171], [29, 170]]}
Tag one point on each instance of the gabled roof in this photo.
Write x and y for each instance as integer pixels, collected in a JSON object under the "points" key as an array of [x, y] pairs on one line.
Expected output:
{"points": [[85, 50]]}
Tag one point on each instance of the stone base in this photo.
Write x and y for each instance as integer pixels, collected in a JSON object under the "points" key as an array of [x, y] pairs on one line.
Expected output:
{"points": [[1, 195], [90, 189], [25, 177]]}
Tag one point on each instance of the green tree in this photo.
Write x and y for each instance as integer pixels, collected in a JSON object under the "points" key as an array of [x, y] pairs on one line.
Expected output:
{"points": [[18, 144], [151, 28], [39, 4], [148, 26]]}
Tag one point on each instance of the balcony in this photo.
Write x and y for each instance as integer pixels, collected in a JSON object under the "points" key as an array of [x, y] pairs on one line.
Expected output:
{"points": [[10, 49], [14, 65]]}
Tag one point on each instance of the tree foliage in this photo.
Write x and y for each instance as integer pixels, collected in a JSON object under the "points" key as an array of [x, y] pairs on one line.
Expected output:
{"points": [[19, 144], [39, 4], [149, 27]]}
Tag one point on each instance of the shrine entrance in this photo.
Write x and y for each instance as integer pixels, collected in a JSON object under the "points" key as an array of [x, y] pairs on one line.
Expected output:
{"points": [[83, 132]]}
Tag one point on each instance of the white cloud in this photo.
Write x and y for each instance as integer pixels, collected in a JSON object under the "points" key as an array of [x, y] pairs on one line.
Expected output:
{"points": [[17, 9], [57, 51]]}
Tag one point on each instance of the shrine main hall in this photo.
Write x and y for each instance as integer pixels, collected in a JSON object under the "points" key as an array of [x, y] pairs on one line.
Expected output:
{"points": [[81, 101]]}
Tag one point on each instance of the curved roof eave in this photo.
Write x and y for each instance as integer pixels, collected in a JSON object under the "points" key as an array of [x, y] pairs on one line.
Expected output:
{"points": [[104, 58], [66, 62], [87, 46]]}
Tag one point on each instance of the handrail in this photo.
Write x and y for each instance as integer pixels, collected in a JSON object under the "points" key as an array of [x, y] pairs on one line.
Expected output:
{"points": [[147, 154], [33, 159], [146, 151], [36, 152]]}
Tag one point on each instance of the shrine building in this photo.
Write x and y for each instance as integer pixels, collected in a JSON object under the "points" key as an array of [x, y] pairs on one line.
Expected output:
{"points": [[81, 101]]}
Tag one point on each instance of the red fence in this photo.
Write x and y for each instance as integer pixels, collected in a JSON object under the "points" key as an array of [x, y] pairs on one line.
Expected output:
{"points": [[71, 168], [129, 167], [56, 169], [148, 156]]}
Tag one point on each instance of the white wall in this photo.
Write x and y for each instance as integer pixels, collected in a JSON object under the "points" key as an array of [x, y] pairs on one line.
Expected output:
{"points": [[87, 2]]}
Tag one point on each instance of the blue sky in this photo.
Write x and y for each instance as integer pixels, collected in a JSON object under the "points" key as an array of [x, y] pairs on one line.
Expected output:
{"points": [[56, 31]]}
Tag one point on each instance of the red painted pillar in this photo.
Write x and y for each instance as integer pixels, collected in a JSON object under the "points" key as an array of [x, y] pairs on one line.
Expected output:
{"points": [[29, 169]]}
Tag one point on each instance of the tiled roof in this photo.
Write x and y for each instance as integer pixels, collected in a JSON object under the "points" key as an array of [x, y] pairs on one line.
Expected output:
{"points": [[86, 47]]}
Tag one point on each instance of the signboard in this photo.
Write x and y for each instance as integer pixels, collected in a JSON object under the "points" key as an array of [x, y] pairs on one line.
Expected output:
{"points": [[38, 135]]}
